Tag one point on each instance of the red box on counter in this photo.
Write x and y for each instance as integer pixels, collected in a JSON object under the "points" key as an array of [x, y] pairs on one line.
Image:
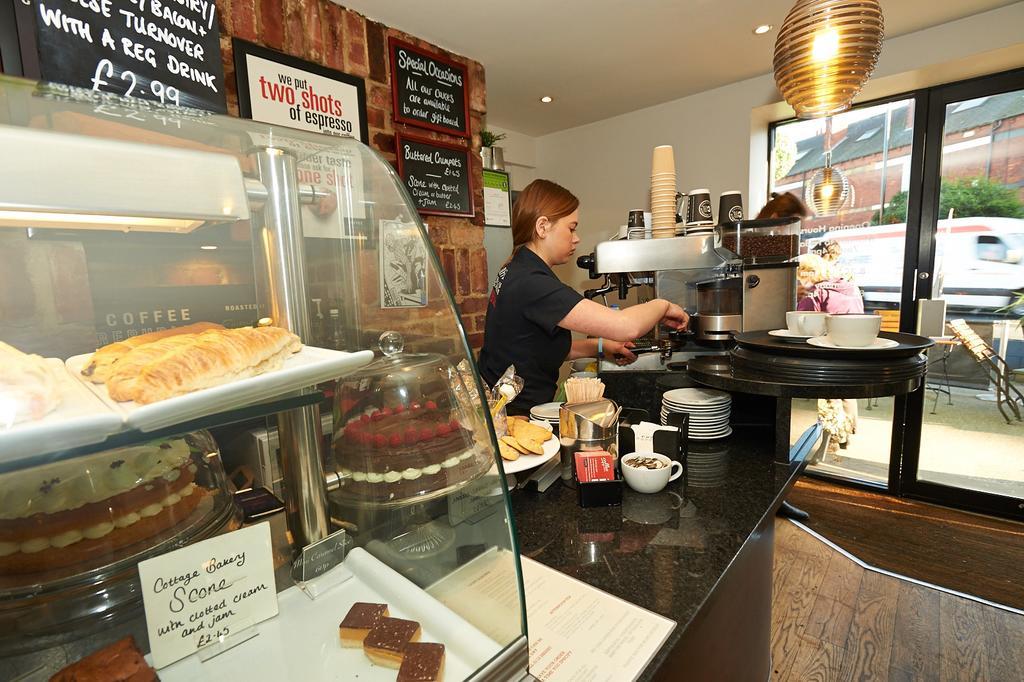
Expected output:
{"points": [[595, 465]]}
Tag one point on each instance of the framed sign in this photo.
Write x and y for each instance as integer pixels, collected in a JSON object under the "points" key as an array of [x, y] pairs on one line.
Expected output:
{"points": [[437, 176], [169, 53], [403, 265], [284, 90], [428, 90], [497, 199]]}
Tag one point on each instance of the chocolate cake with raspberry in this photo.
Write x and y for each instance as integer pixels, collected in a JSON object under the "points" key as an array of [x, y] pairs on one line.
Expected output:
{"points": [[398, 452]]}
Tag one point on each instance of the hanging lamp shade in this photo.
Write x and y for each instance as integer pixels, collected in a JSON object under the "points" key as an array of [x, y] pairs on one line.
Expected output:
{"points": [[828, 190], [825, 52]]}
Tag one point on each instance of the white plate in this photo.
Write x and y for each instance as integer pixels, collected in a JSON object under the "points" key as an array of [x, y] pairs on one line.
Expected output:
{"points": [[696, 396], [700, 415], [80, 419], [551, 448], [696, 410], [702, 428], [727, 432], [724, 417], [547, 411], [301, 642], [787, 335], [877, 344], [309, 366]]}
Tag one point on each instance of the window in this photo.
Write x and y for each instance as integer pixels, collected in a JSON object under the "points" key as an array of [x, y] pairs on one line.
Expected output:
{"points": [[868, 134], [969, 104], [991, 249]]}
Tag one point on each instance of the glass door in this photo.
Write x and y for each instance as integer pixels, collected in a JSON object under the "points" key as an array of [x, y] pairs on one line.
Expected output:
{"points": [[969, 299], [861, 244]]}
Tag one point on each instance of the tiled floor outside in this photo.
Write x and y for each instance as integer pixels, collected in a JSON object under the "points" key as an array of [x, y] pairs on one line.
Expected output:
{"points": [[967, 444]]}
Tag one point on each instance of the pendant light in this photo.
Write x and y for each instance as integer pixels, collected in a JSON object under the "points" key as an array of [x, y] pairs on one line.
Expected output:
{"points": [[825, 52], [829, 188]]}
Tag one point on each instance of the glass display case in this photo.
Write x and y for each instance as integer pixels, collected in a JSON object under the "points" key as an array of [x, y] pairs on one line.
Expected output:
{"points": [[198, 312]]}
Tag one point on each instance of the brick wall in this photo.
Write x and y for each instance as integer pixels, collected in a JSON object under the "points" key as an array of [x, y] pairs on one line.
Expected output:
{"points": [[323, 32]]}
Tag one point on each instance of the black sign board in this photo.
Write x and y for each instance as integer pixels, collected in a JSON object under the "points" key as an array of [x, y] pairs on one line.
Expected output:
{"points": [[428, 90], [162, 50], [141, 310], [437, 176]]}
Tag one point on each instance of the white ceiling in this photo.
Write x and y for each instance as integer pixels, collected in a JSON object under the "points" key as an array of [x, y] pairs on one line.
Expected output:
{"points": [[601, 58]]}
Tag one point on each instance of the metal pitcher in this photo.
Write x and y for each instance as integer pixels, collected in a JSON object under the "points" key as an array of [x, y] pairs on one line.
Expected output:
{"points": [[587, 426]]}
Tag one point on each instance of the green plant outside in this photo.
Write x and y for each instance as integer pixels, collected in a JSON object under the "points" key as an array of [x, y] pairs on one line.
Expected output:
{"points": [[968, 197]]}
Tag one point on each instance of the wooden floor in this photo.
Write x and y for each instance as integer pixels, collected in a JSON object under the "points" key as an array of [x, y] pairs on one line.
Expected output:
{"points": [[833, 620], [978, 555]]}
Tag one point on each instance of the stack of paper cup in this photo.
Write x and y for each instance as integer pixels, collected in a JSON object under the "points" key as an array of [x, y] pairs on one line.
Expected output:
{"points": [[663, 192]]}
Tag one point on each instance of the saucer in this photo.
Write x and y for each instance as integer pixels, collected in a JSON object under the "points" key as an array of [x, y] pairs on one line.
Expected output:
{"points": [[715, 436], [878, 344], [786, 335]]}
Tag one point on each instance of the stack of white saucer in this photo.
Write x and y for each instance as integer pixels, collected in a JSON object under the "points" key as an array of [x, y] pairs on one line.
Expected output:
{"points": [[546, 412], [708, 409], [663, 193]]}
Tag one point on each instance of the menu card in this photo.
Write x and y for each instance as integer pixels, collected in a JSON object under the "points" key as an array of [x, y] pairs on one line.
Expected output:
{"points": [[207, 592], [577, 632]]}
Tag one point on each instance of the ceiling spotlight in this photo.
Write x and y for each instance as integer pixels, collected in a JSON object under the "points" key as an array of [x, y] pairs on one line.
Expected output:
{"points": [[762, 29], [208, 247], [546, 99]]}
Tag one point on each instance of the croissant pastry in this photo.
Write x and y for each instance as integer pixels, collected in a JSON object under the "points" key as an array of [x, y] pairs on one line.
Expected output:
{"points": [[212, 358], [101, 362], [123, 373]]}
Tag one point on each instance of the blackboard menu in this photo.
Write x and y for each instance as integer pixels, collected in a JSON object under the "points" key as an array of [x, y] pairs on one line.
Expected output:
{"points": [[429, 91], [162, 50], [437, 176]]}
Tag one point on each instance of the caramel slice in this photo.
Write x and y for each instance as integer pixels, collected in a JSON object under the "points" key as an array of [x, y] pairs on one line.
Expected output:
{"points": [[423, 662], [119, 662], [358, 622], [385, 644]]}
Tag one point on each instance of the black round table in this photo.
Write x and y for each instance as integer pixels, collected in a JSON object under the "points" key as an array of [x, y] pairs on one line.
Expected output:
{"points": [[761, 364]]}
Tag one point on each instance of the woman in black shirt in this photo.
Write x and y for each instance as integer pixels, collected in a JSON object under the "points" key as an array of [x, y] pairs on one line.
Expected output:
{"points": [[531, 314]]}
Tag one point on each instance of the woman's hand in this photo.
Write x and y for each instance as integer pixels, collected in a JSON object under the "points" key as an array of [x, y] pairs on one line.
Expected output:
{"points": [[675, 317], [620, 352]]}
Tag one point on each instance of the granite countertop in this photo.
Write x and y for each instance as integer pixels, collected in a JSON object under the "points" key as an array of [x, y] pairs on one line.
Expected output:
{"points": [[664, 552]]}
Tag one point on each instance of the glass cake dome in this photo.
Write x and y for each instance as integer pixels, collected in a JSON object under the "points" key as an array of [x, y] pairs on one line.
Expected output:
{"points": [[73, 531], [408, 429]]}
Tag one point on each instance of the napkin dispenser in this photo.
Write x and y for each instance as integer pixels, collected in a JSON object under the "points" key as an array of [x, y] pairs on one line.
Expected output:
{"points": [[670, 442], [586, 427]]}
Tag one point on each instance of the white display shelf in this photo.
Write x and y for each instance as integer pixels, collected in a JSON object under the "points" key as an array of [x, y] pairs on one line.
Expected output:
{"points": [[302, 644], [309, 366]]}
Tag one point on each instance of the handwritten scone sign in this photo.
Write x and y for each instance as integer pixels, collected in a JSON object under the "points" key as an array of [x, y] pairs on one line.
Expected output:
{"points": [[206, 592], [162, 50]]}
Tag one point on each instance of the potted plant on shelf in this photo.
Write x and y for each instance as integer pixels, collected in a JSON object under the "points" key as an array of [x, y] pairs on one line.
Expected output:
{"points": [[492, 155]]}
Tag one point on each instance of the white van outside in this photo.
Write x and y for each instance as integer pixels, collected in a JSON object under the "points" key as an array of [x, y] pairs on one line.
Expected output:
{"points": [[979, 261]]}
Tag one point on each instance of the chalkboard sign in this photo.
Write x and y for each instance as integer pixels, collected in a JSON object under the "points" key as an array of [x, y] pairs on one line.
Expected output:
{"points": [[437, 176], [429, 91], [162, 50]]}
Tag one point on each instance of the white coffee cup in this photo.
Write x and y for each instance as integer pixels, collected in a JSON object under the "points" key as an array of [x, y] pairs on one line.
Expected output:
{"points": [[806, 322], [644, 480], [853, 330]]}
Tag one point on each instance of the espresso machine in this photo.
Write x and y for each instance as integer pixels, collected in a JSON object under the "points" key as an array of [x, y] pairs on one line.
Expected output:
{"points": [[739, 277]]}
